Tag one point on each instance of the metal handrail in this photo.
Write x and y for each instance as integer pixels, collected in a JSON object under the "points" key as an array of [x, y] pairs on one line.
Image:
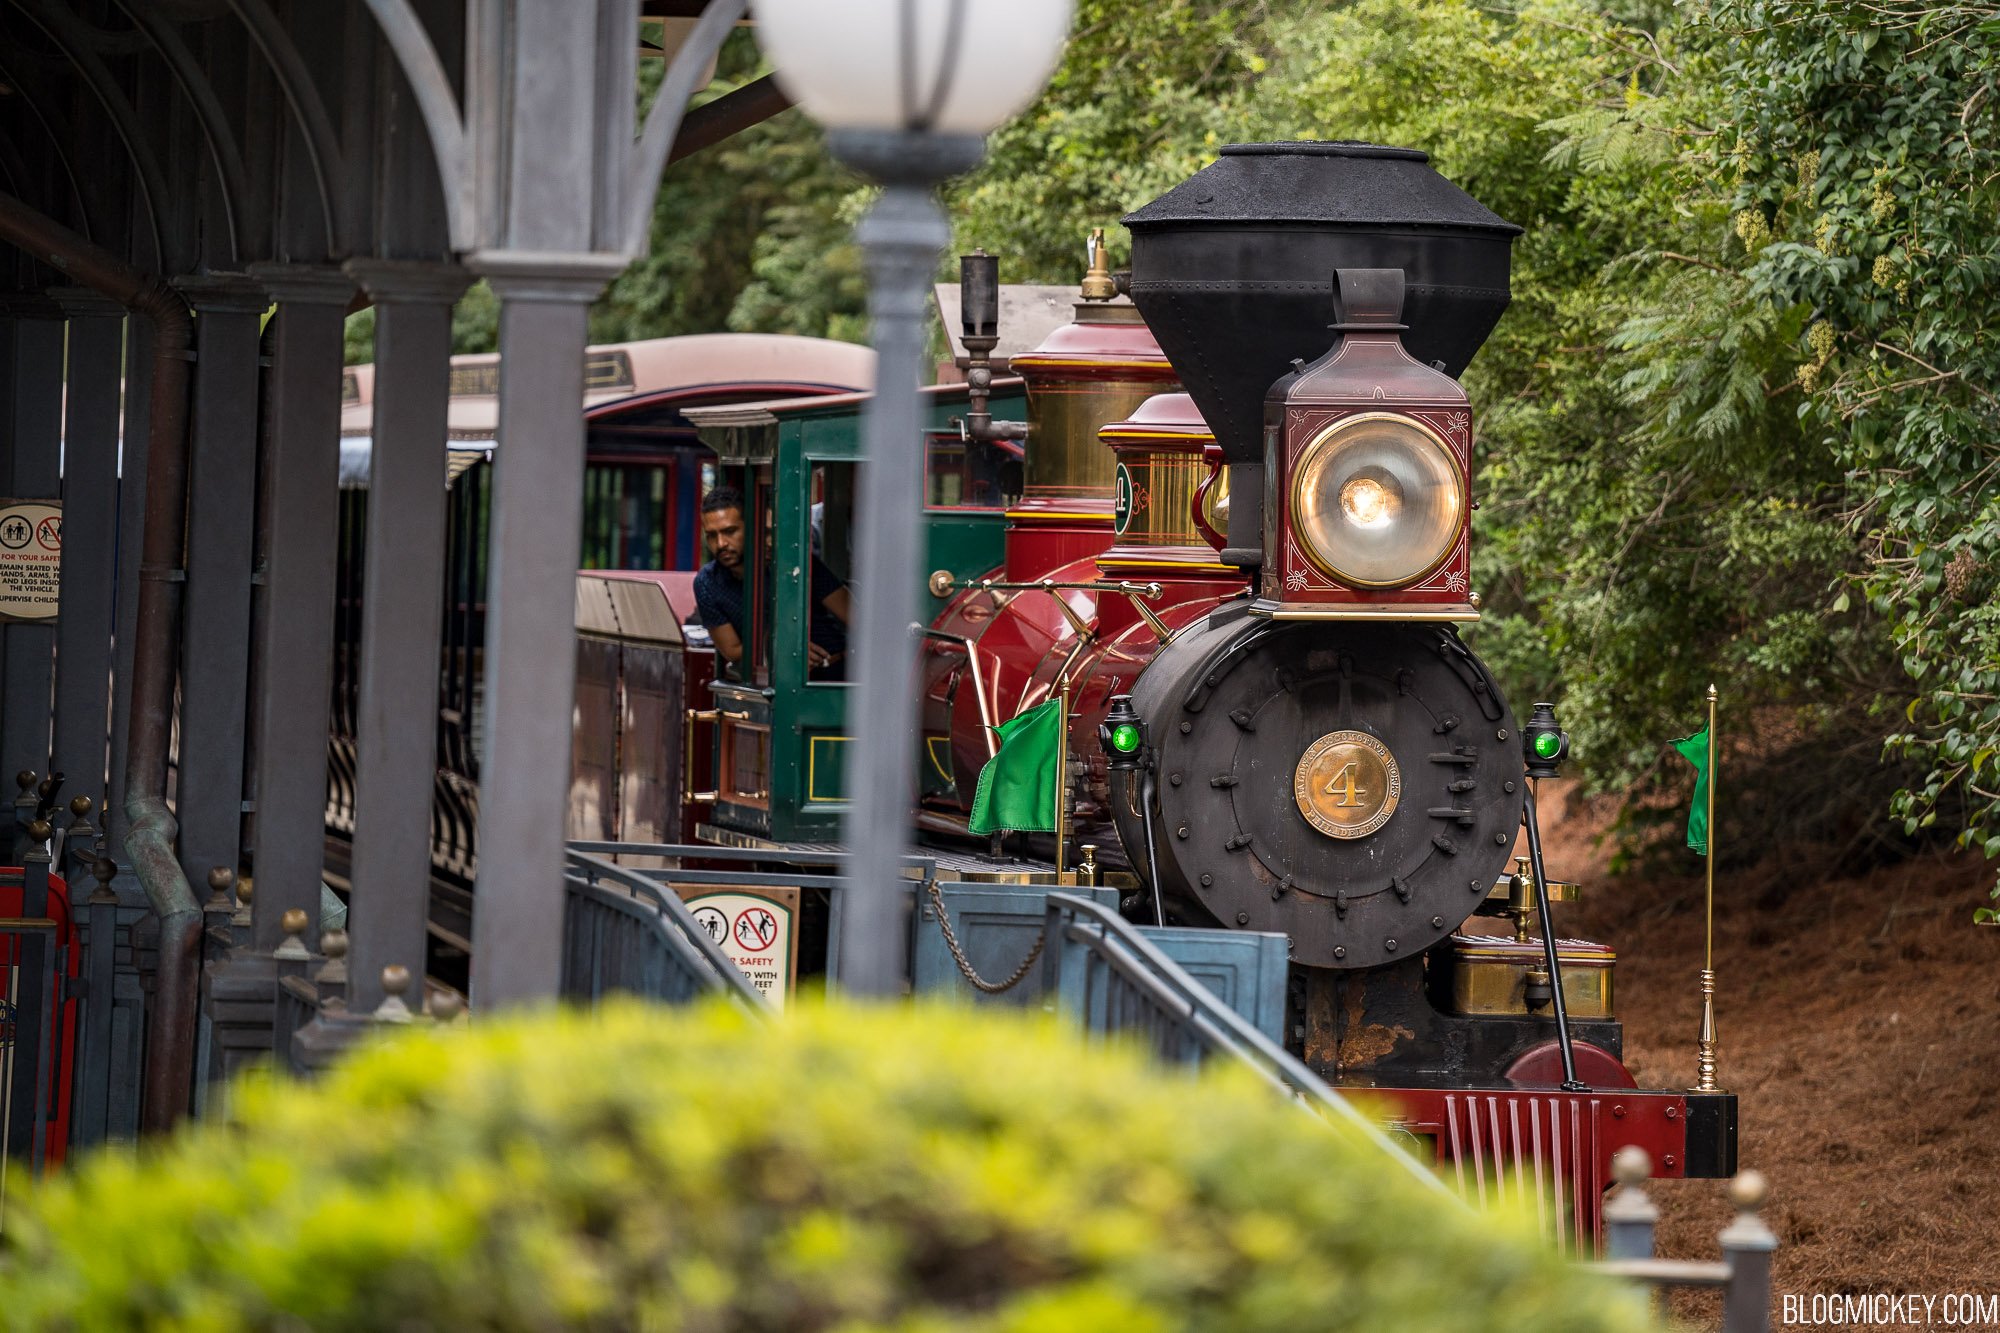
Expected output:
{"points": [[707, 852], [833, 878], [680, 930], [1219, 1028]]}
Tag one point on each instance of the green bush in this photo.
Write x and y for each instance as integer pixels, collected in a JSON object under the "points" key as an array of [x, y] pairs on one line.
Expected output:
{"points": [[846, 1168]]}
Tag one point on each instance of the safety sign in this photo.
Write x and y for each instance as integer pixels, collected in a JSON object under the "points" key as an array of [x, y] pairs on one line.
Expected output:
{"points": [[756, 927], [30, 559]]}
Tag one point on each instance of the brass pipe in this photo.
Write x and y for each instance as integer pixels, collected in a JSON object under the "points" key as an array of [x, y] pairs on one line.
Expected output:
{"points": [[943, 583], [978, 685], [1152, 619]]}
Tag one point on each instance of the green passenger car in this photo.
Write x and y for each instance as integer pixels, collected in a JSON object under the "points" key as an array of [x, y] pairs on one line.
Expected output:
{"points": [[780, 733]]}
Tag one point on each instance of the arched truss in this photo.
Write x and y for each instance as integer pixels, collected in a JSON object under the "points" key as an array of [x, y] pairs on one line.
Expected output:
{"points": [[155, 30], [308, 109], [215, 127], [663, 122], [33, 99], [67, 33], [445, 122]]}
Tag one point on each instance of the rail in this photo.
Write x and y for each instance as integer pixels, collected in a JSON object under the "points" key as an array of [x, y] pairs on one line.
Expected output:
{"points": [[1147, 994], [622, 931]]}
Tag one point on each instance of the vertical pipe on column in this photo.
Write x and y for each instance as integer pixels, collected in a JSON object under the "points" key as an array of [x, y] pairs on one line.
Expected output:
{"points": [[531, 629], [402, 605]]}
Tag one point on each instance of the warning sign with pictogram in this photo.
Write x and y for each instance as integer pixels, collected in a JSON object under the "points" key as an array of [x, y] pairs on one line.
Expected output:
{"points": [[756, 927], [30, 559]]}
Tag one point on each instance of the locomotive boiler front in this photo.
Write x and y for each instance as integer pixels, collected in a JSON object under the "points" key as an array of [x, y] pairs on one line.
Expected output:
{"points": [[1354, 786]]}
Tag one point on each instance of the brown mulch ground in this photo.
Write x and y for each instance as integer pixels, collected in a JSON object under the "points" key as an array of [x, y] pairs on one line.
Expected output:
{"points": [[1859, 1023]]}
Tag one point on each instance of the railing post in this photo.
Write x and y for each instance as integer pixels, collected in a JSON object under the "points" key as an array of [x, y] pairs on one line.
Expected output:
{"points": [[24, 810], [219, 910], [331, 979], [395, 984], [240, 918], [1747, 1244], [291, 960], [77, 840], [1629, 1216], [1052, 952], [91, 1123], [34, 1001]]}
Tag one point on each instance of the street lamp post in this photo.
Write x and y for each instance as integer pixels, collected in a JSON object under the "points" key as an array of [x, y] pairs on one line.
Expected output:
{"points": [[907, 90]]}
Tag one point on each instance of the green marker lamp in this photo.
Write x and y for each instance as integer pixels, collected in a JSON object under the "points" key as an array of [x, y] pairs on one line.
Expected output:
{"points": [[1544, 743], [1122, 735]]}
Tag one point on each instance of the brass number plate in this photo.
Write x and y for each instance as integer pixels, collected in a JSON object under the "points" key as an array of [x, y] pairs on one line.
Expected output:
{"points": [[1347, 784]]}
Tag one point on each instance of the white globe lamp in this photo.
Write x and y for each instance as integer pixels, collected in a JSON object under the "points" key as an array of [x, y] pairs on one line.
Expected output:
{"points": [[927, 66]]}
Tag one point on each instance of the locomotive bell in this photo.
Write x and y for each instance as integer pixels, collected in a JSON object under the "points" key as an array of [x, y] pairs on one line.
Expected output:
{"points": [[1368, 467]]}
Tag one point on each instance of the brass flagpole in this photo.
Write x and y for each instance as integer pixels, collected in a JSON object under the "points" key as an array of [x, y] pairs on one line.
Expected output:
{"points": [[1062, 778], [1705, 1044]]}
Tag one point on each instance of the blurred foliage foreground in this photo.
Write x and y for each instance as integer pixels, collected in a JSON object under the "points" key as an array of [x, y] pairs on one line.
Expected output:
{"points": [[843, 1168]]}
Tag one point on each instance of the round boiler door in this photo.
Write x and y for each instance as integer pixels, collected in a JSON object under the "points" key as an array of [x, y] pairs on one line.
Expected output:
{"points": [[1347, 784]]}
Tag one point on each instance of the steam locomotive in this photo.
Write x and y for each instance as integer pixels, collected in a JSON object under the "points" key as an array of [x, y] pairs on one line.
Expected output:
{"points": [[1240, 551]]}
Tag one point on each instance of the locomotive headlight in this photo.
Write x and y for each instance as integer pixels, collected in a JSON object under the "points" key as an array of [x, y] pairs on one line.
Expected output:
{"points": [[1377, 500]]}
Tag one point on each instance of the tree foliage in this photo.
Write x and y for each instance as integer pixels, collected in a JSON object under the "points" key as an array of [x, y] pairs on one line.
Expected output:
{"points": [[1861, 161], [1739, 424]]}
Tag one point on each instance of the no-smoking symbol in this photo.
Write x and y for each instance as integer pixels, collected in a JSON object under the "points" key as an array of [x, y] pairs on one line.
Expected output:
{"points": [[756, 928]]}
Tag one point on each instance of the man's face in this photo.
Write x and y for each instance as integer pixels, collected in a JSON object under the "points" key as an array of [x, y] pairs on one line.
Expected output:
{"points": [[724, 530]]}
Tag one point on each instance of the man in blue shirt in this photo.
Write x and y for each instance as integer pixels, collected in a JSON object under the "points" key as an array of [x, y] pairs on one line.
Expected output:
{"points": [[719, 595]]}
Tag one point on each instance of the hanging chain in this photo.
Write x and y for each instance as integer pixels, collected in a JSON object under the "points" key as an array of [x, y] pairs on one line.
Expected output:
{"points": [[965, 964]]}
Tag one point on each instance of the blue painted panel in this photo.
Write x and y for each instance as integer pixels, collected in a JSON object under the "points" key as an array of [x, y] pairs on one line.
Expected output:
{"points": [[997, 925], [1244, 969]]}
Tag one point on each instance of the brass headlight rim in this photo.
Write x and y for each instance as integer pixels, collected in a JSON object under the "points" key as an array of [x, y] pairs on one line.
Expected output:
{"points": [[1319, 444]]}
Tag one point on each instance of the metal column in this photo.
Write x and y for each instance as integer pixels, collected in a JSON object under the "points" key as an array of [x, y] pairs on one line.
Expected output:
{"points": [[96, 347], [531, 628], [35, 436], [215, 633], [300, 484], [402, 611]]}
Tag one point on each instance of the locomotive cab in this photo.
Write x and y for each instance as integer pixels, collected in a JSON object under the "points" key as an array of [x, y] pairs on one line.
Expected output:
{"points": [[779, 732]]}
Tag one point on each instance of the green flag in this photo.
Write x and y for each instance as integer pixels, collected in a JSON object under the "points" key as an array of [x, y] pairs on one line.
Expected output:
{"points": [[1694, 749], [1017, 787]]}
